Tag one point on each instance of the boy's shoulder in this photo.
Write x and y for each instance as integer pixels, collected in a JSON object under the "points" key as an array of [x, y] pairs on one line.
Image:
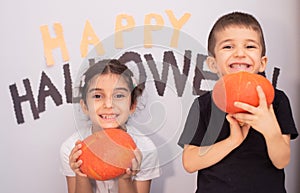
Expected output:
{"points": [[204, 99]]}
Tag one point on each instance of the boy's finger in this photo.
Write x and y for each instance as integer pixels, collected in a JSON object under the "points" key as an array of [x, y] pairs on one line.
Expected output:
{"points": [[261, 96]]}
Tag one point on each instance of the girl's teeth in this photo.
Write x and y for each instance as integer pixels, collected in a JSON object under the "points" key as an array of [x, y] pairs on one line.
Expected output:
{"points": [[108, 116]]}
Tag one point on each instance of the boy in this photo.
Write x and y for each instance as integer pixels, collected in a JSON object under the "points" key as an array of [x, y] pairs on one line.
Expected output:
{"points": [[232, 157]]}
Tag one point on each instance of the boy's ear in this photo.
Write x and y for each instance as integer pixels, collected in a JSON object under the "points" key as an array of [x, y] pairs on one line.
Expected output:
{"points": [[263, 65], [211, 62], [83, 107]]}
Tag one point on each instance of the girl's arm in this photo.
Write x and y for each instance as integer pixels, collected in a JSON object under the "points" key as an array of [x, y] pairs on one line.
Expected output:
{"points": [[80, 183], [83, 185], [195, 158], [263, 119], [71, 183], [127, 184], [133, 186]]}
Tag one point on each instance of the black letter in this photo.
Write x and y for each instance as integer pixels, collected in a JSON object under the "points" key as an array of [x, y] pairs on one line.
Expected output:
{"points": [[180, 79], [135, 57], [275, 76], [201, 75], [17, 100], [52, 91], [68, 83], [160, 83]]}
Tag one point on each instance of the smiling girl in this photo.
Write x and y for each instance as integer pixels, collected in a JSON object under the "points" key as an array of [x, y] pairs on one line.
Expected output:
{"points": [[108, 98]]}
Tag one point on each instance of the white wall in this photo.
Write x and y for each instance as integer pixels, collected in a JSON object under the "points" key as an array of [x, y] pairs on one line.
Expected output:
{"points": [[30, 150]]}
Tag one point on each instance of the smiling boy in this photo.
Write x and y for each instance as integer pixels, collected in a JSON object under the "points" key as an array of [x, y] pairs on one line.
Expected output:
{"points": [[231, 158]]}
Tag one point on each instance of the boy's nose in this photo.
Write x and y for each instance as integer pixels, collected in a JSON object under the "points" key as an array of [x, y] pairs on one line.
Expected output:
{"points": [[239, 52]]}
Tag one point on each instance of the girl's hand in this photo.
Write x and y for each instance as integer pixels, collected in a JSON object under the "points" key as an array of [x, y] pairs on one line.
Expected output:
{"points": [[73, 159], [135, 165], [238, 132], [261, 118]]}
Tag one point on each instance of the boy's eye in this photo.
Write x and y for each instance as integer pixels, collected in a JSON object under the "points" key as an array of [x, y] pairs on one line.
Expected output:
{"points": [[227, 47], [251, 46]]}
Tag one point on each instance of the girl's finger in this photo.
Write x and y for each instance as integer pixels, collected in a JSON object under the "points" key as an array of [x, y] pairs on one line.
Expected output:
{"points": [[138, 155]]}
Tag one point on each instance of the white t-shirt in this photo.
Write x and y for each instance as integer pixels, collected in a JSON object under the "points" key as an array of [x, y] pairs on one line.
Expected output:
{"points": [[149, 167]]}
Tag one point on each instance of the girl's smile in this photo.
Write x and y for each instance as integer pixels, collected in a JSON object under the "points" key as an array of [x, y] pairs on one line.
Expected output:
{"points": [[108, 102]]}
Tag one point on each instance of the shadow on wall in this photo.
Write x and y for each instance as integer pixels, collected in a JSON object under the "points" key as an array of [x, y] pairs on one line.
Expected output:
{"points": [[159, 184], [297, 169], [297, 145]]}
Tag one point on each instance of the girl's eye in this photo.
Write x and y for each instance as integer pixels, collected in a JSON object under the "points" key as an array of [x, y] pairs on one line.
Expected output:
{"points": [[97, 96], [119, 96]]}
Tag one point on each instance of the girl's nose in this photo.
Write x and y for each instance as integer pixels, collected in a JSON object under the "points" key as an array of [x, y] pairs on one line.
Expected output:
{"points": [[108, 102]]}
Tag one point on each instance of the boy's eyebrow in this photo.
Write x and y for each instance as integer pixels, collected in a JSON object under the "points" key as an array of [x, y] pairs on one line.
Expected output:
{"points": [[115, 89], [248, 40]]}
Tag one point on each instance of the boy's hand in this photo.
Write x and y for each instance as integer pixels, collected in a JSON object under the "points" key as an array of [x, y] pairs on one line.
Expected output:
{"points": [[261, 118], [135, 165], [73, 159], [238, 132]]}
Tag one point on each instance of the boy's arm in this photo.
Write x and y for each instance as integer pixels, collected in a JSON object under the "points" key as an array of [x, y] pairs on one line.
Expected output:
{"points": [[195, 158], [263, 119], [279, 149]]}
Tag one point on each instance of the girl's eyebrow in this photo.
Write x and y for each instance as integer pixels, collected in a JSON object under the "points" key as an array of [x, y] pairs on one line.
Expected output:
{"points": [[121, 89], [115, 89]]}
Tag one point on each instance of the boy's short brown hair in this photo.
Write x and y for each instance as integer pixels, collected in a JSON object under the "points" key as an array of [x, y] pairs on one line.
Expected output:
{"points": [[235, 19]]}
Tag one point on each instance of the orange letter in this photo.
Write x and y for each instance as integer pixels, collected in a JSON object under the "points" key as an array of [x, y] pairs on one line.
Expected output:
{"points": [[51, 43], [149, 27], [119, 28], [177, 24], [89, 37]]}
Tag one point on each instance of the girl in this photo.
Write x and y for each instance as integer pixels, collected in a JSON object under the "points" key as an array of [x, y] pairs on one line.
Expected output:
{"points": [[108, 97]]}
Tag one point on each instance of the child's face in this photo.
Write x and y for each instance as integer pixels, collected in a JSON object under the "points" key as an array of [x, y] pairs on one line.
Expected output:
{"points": [[237, 49], [108, 101]]}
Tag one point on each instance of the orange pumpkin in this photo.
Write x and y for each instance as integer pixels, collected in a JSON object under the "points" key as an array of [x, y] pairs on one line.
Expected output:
{"points": [[240, 86], [107, 154]]}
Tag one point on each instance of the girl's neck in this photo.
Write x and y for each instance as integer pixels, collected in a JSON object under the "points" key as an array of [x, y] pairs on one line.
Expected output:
{"points": [[96, 128]]}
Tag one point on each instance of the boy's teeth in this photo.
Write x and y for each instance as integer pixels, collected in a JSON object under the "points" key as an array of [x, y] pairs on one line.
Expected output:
{"points": [[239, 66]]}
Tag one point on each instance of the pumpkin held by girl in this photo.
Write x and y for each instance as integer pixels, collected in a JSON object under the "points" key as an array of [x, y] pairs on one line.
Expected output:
{"points": [[107, 153]]}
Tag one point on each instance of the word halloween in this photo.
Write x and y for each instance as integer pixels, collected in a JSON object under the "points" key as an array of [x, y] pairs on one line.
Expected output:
{"points": [[48, 89]]}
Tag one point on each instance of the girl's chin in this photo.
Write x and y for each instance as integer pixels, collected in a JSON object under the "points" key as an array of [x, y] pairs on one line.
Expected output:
{"points": [[110, 125]]}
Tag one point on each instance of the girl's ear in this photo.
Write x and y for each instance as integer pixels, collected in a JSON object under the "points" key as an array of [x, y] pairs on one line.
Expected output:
{"points": [[84, 107], [133, 108], [211, 62], [263, 64]]}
